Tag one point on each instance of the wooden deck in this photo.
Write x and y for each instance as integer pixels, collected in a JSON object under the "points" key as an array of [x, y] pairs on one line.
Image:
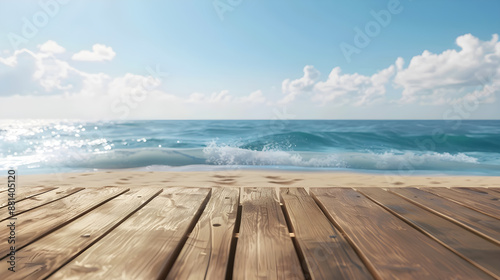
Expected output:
{"points": [[254, 233]]}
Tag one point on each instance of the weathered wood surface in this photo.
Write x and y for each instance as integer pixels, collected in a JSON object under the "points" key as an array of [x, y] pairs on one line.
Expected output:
{"points": [[477, 222], [395, 249], [146, 244], [43, 220], [481, 203], [264, 249], [112, 233], [25, 193], [36, 201], [43, 257], [495, 189], [206, 252], [491, 194], [475, 249], [326, 253]]}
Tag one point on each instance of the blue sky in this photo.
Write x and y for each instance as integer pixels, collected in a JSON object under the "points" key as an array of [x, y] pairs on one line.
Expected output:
{"points": [[235, 63]]}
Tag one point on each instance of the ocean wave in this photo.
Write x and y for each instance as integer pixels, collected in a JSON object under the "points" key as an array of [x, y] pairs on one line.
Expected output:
{"points": [[357, 145], [389, 160], [231, 156]]}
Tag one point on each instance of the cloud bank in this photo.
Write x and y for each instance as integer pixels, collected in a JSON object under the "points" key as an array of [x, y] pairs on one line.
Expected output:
{"points": [[48, 84], [472, 72], [99, 53], [45, 82]]}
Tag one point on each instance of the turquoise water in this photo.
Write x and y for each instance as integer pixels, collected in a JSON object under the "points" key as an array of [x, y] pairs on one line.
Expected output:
{"points": [[410, 147]]}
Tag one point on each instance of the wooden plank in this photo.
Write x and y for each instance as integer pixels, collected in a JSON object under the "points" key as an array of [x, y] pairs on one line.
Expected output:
{"points": [[145, 245], [480, 224], [36, 201], [492, 195], [25, 193], [206, 252], [325, 251], [475, 249], [43, 220], [475, 202], [495, 189], [394, 249], [39, 259], [264, 249]]}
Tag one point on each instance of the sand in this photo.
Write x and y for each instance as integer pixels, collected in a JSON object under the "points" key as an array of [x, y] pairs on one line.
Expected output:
{"points": [[250, 178]]}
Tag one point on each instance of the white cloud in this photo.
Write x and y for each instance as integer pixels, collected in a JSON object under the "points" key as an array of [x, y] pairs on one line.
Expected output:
{"points": [[53, 73], [301, 85], [451, 75], [353, 88], [12, 60], [400, 62], [254, 97], [99, 53], [222, 96], [215, 97], [50, 86], [471, 73], [225, 97], [132, 84], [93, 84], [41, 73], [51, 47], [339, 88], [29, 73]]}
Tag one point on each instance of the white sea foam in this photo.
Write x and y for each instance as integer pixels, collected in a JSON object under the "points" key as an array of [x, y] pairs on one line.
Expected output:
{"points": [[225, 155], [228, 155]]}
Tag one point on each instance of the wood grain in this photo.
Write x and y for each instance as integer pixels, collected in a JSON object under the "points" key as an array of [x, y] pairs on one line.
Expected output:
{"points": [[477, 250], [36, 201], [495, 189], [39, 259], [145, 245], [492, 195], [474, 221], [478, 202], [264, 249], [43, 220], [206, 252], [327, 255], [25, 193], [395, 249]]}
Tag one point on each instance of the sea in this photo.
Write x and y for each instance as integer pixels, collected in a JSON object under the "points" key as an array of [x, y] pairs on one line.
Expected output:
{"points": [[405, 147]]}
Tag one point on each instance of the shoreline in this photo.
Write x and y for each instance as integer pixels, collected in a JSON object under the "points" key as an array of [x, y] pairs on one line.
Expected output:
{"points": [[257, 178]]}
